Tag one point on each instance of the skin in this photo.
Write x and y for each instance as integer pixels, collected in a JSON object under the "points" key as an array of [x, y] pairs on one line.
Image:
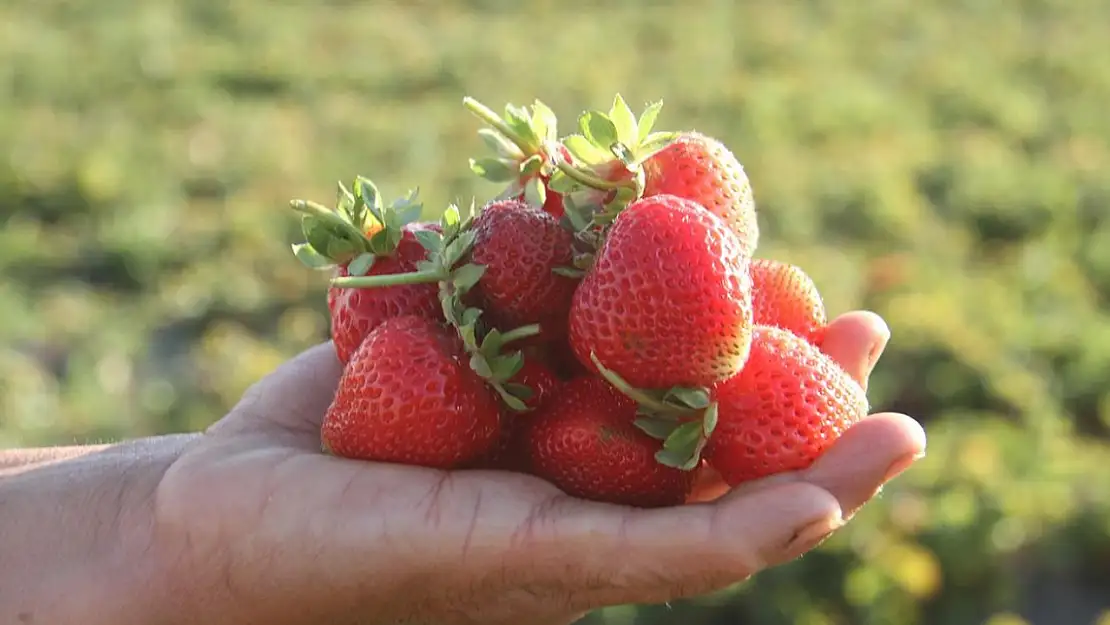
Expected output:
{"points": [[248, 522]]}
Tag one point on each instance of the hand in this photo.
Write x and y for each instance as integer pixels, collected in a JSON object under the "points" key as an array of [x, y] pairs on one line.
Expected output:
{"points": [[262, 527]]}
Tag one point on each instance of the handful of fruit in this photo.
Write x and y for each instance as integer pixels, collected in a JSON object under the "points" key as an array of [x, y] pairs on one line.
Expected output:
{"points": [[602, 324]]}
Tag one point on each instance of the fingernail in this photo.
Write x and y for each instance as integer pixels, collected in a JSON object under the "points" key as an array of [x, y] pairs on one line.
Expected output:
{"points": [[813, 534], [900, 465], [874, 352]]}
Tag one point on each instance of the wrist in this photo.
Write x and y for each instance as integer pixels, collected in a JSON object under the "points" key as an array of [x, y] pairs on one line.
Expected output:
{"points": [[78, 544]]}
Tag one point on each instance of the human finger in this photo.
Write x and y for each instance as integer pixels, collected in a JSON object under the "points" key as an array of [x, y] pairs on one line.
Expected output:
{"points": [[294, 396], [867, 456], [856, 340], [613, 555]]}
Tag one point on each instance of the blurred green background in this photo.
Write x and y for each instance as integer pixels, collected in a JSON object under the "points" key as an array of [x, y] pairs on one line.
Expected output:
{"points": [[944, 163]]}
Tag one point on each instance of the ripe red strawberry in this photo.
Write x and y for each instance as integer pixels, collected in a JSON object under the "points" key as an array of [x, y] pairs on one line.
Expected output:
{"points": [[668, 301], [355, 312], [584, 442], [786, 407], [688, 164], [526, 144], [520, 247], [511, 453], [362, 237], [784, 296], [700, 168], [409, 396]]}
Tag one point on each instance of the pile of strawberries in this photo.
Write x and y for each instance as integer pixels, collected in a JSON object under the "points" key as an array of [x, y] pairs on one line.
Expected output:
{"points": [[602, 324]]}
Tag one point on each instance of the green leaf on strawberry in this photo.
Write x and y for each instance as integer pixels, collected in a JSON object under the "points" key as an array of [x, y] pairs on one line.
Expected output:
{"points": [[523, 391], [609, 175], [524, 142], [359, 227], [310, 258], [656, 427], [495, 169], [618, 133], [361, 264], [683, 418], [448, 265]]}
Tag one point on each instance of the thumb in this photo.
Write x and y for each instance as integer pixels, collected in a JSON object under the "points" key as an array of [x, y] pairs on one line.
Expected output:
{"points": [[294, 397], [621, 555]]}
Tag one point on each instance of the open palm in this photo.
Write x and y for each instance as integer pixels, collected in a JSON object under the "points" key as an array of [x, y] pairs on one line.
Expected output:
{"points": [[272, 530]]}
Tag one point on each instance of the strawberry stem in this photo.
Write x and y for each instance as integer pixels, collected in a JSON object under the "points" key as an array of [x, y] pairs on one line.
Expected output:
{"points": [[308, 207], [488, 115], [522, 332], [392, 279], [591, 180], [642, 398], [326, 215]]}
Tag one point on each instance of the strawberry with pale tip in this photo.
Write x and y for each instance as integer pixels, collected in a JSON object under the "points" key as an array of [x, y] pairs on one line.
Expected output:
{"points": [[784, 296], [789, 404]]}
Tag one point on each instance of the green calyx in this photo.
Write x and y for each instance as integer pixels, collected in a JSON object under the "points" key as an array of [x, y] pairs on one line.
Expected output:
{"points": [[524, 142], [619, 135], [360, 229], [609, 150], [445, 252], [683, 418], [612, 147], [448, 264]]}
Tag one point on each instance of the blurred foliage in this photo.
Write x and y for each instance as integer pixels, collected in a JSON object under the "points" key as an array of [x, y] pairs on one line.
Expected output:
{"points": [[942, 162]]}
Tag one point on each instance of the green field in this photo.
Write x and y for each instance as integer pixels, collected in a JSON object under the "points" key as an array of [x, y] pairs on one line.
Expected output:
{"points": [[944, 163]]}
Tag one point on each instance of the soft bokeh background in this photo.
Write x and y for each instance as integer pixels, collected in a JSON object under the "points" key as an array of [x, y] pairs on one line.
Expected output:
{"points": [[944, 163]]}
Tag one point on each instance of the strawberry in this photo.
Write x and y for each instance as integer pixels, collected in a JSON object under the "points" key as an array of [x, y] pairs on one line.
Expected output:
{"points": [[585, 443], [407, 396], [784, 296], [449, 247], [700, 168], [356, 312], [526, 144], [520, 247], [668, 300], [789, 404], [622, 159], [510, 453], [361, 237]]}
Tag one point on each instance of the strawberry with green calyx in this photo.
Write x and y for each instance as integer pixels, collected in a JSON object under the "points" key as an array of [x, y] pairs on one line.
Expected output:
{"points": [[522, 141], [362, 236], [622, 158], [682, 417], [605, 175], [447, 265], [784, 409], [584, 442]]}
